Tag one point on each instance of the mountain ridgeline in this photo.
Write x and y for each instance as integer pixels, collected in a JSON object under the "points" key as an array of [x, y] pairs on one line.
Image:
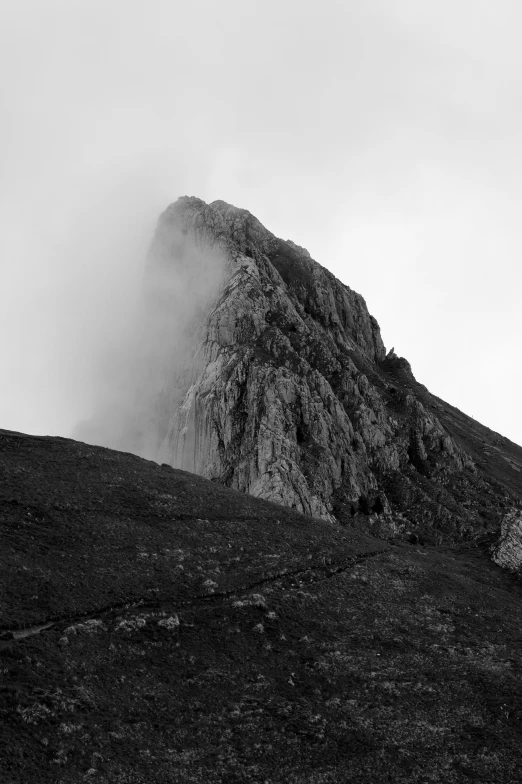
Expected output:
{"points": [[256, 368]]}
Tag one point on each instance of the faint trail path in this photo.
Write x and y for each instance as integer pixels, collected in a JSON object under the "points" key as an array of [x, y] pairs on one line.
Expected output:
{"points": [[313, 573]]}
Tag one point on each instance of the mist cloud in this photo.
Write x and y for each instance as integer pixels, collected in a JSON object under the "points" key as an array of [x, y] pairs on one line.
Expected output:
{"points": [[149, 363]]}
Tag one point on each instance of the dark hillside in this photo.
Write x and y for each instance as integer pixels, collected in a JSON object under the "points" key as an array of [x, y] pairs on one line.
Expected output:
{"points": [[196, 634]]}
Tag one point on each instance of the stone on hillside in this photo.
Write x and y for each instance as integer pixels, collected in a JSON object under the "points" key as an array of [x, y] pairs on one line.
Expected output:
{"points": [[508, 551]]}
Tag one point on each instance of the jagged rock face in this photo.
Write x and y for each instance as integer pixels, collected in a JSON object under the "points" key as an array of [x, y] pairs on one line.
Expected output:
{"points": [[261, 415], [284, 390]]}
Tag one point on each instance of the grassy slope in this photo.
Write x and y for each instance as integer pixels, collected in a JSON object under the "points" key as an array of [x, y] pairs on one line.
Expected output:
{"points": [[251, 657]]}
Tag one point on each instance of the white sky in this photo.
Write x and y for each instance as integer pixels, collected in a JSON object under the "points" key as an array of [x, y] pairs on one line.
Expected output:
{"points": [[383, 135]]}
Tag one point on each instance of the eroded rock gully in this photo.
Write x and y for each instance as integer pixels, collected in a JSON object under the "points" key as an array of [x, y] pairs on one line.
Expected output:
{"points": [[283, 389]]}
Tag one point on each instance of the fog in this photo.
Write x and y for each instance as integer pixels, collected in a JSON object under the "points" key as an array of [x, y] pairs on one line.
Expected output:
{"points": [[382, 135], [148, 360]]}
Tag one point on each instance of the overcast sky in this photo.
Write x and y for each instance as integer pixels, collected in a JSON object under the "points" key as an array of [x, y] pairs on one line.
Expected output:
{"points": [[383, 135]]}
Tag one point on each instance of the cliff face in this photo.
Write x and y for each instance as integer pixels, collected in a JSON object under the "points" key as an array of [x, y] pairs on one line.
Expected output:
{"points": [[279, 385]]}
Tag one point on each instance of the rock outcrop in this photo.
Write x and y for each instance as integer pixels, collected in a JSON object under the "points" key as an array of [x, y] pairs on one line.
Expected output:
{"points": [[278, 384], [508, 551]]}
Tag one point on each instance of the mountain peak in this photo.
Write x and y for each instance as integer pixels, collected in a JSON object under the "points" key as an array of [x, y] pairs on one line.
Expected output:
{"points": [[266, 373]]}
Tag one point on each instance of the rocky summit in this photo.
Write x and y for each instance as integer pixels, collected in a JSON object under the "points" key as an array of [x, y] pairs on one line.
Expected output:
{"points": [[277, 383]]}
